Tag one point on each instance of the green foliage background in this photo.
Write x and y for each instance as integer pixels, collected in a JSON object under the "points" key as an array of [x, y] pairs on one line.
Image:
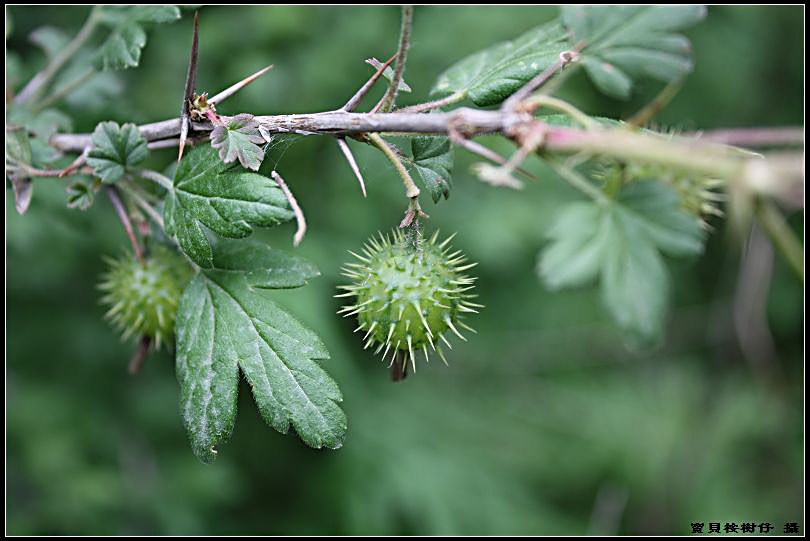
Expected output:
{"points": [[544, 422]]}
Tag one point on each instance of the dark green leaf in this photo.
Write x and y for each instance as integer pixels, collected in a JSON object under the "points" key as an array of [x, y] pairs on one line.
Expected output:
{"points": [[262, 266], [492, 75], [432, 157], [122, 49], [115, 148], [620, 243], [626, 42], [238, 139], [226, 323], [224, 199], [80, 194]]}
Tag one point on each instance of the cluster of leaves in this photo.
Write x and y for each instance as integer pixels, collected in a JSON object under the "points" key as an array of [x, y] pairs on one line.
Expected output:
{"points": [[618, 239], [226, 320], [86, 80]]}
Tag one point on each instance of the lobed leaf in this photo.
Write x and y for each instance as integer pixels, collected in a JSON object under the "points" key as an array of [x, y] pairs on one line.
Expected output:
{"points": [[80, 194], [18, 146], [227, 323], [238, 139], [621, 43], [620, 243], [492, 75], [206, 192], [116, 148], [432, 157], [42, 124], [122, 49], [51, 40]]}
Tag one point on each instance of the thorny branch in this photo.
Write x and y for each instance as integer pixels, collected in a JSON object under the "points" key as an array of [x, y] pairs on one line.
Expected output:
{"points": [[704, 153], [390, 98]]}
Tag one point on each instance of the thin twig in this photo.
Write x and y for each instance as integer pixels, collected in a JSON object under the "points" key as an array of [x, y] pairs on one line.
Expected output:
{"points": [[455, 97], [782, 237], [191, 82], [411, 190], [139, 356], [355, 100], [484, 152], [347, 152], [77, 163], [566, 57], [236, 87], [557, 104], [34, 172], [171, 143], [579, 182], [40, 81], [154, 176], [115, 198], [399, 69], [57, 96], [299, 214], [134, 193], [648, 112]]}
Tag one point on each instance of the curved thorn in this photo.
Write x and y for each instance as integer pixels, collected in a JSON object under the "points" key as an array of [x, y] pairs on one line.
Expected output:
{"points": [[453, 328], [347, 153]]}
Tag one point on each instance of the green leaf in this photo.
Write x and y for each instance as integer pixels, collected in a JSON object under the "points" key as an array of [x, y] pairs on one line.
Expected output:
{"points": [[49, 39], [122, 49], [388, 73], [80, 194], [432, 157], [42, 124], [492, 75], [227, 322], [42, 153], [208, 192], [115, 148], [18, 146], [238, 139], [626, 42], [620, 243]]}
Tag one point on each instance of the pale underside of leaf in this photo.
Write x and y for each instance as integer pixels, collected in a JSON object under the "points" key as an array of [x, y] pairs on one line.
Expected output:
{"points": [[122, 48], [620, 243], [626, 42]]}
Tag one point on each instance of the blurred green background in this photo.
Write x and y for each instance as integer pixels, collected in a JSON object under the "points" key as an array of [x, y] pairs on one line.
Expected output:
{"points": [[545, 422]]}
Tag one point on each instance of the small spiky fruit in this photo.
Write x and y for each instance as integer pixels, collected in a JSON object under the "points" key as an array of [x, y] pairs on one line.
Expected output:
{"points": [[143, 299], [410, 294]]}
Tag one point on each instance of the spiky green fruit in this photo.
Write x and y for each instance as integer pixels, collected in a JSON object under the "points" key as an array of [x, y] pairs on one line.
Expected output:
{"points": [[143, 299], [409, 296]]}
